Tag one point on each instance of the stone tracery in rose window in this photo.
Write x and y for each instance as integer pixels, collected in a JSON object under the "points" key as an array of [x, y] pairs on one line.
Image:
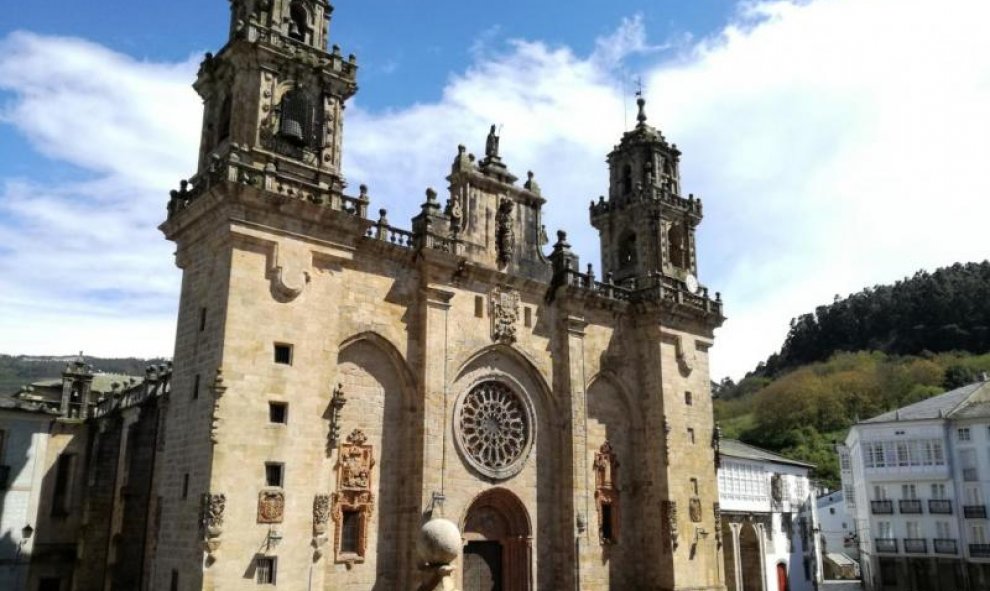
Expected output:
{"points": [[494, 429]]}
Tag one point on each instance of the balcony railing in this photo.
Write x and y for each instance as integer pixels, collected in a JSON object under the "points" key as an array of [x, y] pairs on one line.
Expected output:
{"points": [[888, 546], [882, 507], [915, 546], [975, 511], [979, 550], [945, 546], [940, 506], [909, 506]]}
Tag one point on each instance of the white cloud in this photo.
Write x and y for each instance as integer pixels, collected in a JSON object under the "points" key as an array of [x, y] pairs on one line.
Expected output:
{"points": [[837, 144]]}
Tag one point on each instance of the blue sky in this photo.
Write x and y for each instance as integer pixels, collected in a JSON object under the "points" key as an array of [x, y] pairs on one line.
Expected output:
{"points": [[836, 143]]}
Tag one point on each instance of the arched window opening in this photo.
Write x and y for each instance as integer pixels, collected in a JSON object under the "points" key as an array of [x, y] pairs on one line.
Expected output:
{"points": [[677, 239], [223, 120], [295, 126], [298, 22], [627, 251], [626, 183]]}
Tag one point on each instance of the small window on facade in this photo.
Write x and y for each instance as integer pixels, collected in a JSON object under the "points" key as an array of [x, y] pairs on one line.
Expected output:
{"points": [[174, 585], [627, 183], [831, 510], [607, 530], [677, 241], [963, 434], [50, 584], [283, 354], [688, 399], [691, 435], [479, 307], [350, 532], [694, 486], [274, 474], [278, 412], [264, 570], [195, 390], [185, 486], [223, 131], [627, 251], [61, 496], [528, 316], [202, 319], [298, 26]]}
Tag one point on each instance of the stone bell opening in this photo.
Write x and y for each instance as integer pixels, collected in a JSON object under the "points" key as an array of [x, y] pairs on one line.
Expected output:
{"points": [[498, 553]]}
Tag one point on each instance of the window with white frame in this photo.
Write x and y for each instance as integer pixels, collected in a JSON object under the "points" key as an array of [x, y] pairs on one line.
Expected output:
{"points": [[879, 492], [942, 530], [938, 490], [885, 530], [743, 481], [963, 434], [913, 531], [973, 496], [844, 462], [967, 461], [909, 492], [890, 454], [977, 533], [849, 494]]}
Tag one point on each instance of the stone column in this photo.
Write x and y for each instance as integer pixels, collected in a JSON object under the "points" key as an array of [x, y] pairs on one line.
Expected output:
{"points": [[736, 583], [761, 536], [434, 384]]}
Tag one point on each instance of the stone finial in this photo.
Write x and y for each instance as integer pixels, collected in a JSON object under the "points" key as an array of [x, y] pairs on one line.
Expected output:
{"points": [[641, 116], [492, 144], [531, 185]]}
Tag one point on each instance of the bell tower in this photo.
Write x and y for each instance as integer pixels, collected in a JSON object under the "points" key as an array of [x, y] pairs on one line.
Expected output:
{"points": [[274, 98], [645, 226]]}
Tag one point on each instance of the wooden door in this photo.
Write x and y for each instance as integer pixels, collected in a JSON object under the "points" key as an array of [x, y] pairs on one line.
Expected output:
{"points": [[483, 566], [781, 577]]}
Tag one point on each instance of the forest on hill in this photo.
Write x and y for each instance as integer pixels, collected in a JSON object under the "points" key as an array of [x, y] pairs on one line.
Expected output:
{"points": [[876, 350], [21, 370]]}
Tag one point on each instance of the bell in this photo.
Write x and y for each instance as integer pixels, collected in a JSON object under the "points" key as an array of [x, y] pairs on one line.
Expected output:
{"points": [[291, 129]]}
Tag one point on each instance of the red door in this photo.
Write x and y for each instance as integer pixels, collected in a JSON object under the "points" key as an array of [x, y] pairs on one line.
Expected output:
{"points": [[781, 577]]}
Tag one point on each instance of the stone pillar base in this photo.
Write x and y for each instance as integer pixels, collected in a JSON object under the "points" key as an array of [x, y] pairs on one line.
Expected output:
{"points": [[438, 578]]}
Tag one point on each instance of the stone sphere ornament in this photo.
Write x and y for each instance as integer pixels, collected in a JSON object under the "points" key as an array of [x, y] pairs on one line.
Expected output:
{"points": [[439, 542]]}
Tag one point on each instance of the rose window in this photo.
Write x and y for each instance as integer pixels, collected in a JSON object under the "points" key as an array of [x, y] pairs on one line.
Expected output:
{"points": [[493, 428]]}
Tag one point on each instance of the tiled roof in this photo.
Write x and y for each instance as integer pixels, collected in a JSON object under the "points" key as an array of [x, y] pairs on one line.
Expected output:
{"points": [[966, 402], [732, 448]]}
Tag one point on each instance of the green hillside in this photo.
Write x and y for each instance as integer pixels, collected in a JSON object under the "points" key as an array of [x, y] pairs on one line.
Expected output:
{"points": [[876, 350]]}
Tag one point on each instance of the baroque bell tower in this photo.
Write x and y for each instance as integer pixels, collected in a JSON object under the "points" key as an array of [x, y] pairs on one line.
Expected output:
{"points": [[274, 98], [646, 227]]}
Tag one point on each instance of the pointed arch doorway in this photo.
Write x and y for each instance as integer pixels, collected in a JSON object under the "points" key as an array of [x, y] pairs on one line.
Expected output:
{"points": [[498, 553]]}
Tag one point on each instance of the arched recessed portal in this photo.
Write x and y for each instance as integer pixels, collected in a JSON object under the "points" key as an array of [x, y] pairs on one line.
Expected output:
{"points": [[751, 558], [497, 556]]}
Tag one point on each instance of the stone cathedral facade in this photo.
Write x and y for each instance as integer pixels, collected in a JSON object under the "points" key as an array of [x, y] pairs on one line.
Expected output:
{"points": [[340, 381]]}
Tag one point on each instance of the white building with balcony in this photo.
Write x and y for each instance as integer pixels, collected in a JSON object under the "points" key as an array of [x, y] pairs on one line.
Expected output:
{"points": [[769, 525], [916, 479]]}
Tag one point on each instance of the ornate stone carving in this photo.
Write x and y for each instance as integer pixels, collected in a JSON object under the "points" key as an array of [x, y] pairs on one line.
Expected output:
{"points": [[494, 429], [271, 506], [211, 520], [505, 314], [353, 499], [219, 388], [321, 514], [607, 494], [717, 510], [694, 509], [669, 509], [505, 233], [337, 403]]}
